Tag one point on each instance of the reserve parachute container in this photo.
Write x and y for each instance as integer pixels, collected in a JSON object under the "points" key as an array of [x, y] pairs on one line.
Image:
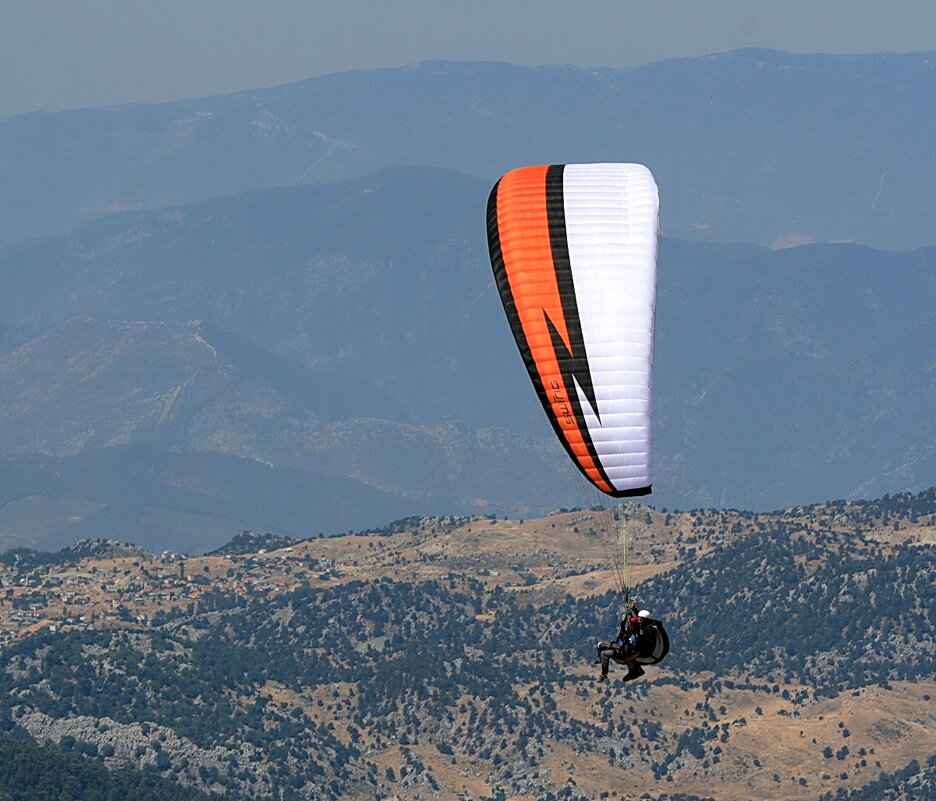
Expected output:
{"points": [[574, 247], [655, 644]]}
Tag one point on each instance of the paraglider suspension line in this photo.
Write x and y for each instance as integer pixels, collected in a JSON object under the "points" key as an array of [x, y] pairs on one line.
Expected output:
{"points": [[612, 525]]}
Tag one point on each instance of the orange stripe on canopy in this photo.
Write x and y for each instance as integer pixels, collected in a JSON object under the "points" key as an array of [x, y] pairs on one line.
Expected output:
{"points": [[523, 231]]}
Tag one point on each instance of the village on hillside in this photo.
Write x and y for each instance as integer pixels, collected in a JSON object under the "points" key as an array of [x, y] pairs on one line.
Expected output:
{"points": [[105, 592], [125, 586]]}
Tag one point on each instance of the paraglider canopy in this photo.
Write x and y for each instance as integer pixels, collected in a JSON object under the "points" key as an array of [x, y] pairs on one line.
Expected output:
{"points": [[573, 248]]}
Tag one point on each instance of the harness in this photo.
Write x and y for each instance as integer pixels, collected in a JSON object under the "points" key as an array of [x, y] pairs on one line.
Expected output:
{"points": [[653, 645]]}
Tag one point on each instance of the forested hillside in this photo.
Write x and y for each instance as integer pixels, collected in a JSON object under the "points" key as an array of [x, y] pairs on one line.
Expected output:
{"points": [[802, 662], [31, 773]]}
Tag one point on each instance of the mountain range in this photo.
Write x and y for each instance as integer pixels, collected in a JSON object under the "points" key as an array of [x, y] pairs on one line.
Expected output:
{"points": [[277, 312], [750, 145], [352, 330]]}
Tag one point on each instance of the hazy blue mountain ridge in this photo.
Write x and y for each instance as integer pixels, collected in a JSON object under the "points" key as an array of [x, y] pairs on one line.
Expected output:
{"points": [[169, 383], [181, 501], [287, 268], [827, 346], [750, 145], [354, 329]]}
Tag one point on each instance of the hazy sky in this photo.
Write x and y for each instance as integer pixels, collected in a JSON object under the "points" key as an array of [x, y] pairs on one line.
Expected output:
{"points": [[57, 54]]}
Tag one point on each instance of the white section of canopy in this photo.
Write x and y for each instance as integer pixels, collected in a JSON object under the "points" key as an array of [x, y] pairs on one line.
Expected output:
{"points": [[611, 216]]}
